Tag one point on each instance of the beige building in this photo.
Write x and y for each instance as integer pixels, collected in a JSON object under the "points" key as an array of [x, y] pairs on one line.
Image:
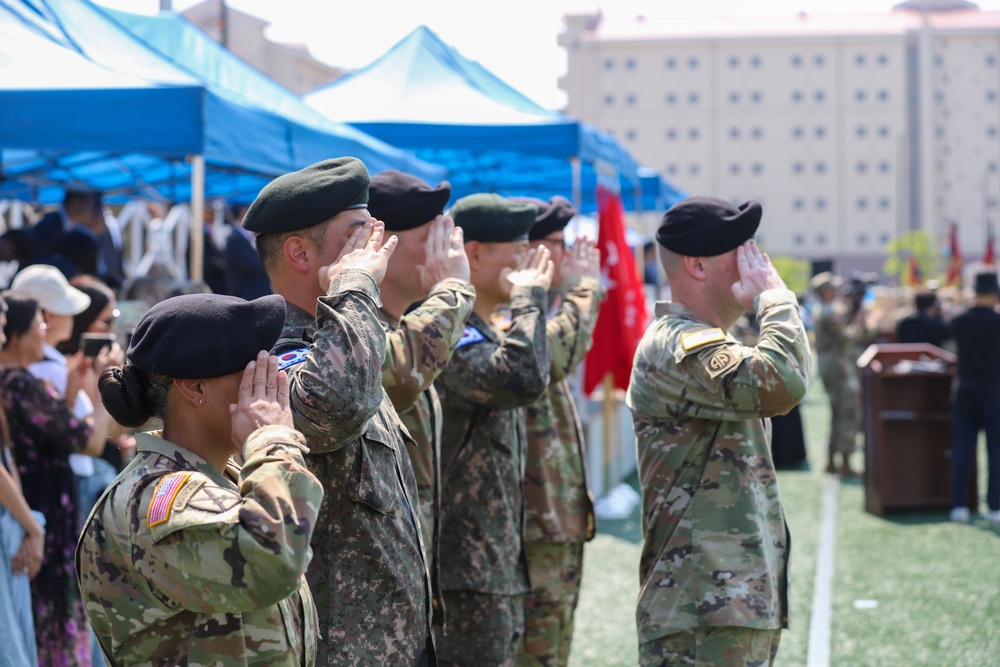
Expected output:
{"points": [[291, 65], [849, 129]]}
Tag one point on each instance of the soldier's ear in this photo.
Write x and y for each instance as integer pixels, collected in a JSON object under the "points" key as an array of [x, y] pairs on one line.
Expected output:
{"points": [[473, 249], [297, 251], [192, 391], [696, 267]]}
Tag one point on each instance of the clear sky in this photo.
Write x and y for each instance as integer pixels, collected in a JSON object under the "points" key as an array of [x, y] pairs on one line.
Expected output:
{"points": [[515, 39]]}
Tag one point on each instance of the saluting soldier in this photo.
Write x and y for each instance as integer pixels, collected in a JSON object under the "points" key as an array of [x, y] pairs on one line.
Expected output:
{"points": [[492, 376], [714, 565], [426, 299], [325, 255], [187, 559], [558, 504]]}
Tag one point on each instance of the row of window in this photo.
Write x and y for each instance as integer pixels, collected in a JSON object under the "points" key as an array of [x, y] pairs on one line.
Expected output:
{"points": [[820, 239], [755, 61], [756, 97], [798, 132], [991, 96], [861, 203], [990, 60], [798, 168]]}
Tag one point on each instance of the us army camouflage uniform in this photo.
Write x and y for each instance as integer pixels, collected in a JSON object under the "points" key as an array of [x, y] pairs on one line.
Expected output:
{"points": [[716, 546], [182, 565], [714, 647], [369, 576], [418, 347], [557, 500], [483, 391], [836, 356]]}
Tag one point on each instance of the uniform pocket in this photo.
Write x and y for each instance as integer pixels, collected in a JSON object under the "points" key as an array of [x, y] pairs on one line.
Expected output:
{"points": [[375, 480]]}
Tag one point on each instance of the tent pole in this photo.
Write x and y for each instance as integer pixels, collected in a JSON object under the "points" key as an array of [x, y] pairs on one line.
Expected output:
{"points": [[197, 217]]}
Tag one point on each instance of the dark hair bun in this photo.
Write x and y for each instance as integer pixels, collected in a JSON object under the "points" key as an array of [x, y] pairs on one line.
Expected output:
{"points": [[124, 393]]}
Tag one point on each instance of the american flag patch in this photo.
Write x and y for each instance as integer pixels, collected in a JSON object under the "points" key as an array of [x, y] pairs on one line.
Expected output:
{"points": [[163, 498]]}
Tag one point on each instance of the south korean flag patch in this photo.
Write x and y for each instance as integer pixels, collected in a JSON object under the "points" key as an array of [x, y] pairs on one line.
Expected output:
{"points": [[288, 359], [469, 336]]}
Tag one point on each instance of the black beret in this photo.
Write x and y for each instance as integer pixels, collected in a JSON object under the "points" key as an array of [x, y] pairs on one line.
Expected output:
{"points": [[553, 215], [403, 201], [986, 283], [703, 226], [205, 335], [489, 218], [309, 196]]}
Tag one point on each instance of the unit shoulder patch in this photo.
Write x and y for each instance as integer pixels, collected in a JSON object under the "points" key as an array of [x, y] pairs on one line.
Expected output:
{"points": [[720, 360], [469, 336], [694, 339]]}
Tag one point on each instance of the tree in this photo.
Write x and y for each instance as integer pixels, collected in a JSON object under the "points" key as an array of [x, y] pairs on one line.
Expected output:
{"points": [[795, 273], [917, 244]]}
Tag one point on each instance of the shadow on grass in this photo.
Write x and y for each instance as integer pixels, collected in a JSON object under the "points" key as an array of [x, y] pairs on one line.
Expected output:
{"points": [[629, 528]]}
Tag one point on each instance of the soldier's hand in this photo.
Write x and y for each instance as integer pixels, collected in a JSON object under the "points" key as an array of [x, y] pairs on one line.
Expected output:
{"points": [[582, 260], [534, 270], [363, 250], [263, 399], [446, 256], [757, 274]]}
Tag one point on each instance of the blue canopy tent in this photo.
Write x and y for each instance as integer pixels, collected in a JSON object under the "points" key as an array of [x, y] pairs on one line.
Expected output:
{"points": [[84, 102], [425, 96]]}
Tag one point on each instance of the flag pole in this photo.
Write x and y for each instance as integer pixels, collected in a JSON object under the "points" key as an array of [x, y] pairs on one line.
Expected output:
{"points": [[608, 411]]}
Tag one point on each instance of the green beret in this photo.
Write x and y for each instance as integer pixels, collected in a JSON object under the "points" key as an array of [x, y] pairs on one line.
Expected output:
{"points": [[309, 196], [205, 335], [703, 226], [490, 218]]}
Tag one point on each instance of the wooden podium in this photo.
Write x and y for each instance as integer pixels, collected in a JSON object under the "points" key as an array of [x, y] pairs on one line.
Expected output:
{"points": [[906, 408]]}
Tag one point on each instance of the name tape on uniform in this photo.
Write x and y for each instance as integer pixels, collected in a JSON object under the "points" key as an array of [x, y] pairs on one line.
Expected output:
{"points": [[689, 341], [469, 336], [289, 359], [163, 498]]}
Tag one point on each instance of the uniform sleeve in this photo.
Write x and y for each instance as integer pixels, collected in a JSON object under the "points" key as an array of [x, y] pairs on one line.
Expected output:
{"points": [[338, 386], [219, 550], [511, 374], [570, 331], [729, 381], [421, 346]]}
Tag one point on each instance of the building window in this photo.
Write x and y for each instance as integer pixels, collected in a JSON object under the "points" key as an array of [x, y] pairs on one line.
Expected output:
{"points": [[609, 64], [819, 96], [883, 95], [884, 203], [798, 204], [883, 167], [884, 238], [991, 60], [693, 98], [938, 96], [693, 169], [799, 239], [861, 167], [861, 203], [883, 59], [755, 61], [630, 99], [630, 134], [819, 60], [756, 133], [757, 168], [938, 60], [734, 169], [796, 96], [693, 62], [820, 168], [630, 63], [861, 132], [693, 134], [671, 99], [671, 134], [671, 63], [734, 97], [609, 100], [734, 61], [798, 168], [797, 132], [992, 167], [859, 60], [820, 132], [991, 96], [672, 169], [862, 238], [883, 131], [734, 133], [796, 61], [756, 97], [821, 238], [860, 96]]}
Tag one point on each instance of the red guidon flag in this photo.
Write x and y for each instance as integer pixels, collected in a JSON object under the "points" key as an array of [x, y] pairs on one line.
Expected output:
{"points": [[953, 275], [622, 318]]}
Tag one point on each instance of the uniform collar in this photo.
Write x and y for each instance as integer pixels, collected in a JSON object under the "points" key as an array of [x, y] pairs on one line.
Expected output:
{"points": [[154, 442]]}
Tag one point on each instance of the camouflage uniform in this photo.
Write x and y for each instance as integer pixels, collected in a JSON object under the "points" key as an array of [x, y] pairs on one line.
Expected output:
{"points": [[182, 565], [557, 500], [369, 576], [491, 377], [836, 356], [418, 347], [716, 545]]}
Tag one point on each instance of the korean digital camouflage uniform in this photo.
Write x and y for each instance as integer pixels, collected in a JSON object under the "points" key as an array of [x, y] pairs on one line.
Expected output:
{"points": [[418, 347], [716, 546], [837, 340], [368, 576], [483, 391], [558, 505], [182, 565]]}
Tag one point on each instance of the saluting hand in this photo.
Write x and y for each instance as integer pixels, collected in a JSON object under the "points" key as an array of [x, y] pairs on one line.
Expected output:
{"points": [[757, 274], [363, 250], [446, 256], [534, 270], [582, 260], [263, 399]]}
